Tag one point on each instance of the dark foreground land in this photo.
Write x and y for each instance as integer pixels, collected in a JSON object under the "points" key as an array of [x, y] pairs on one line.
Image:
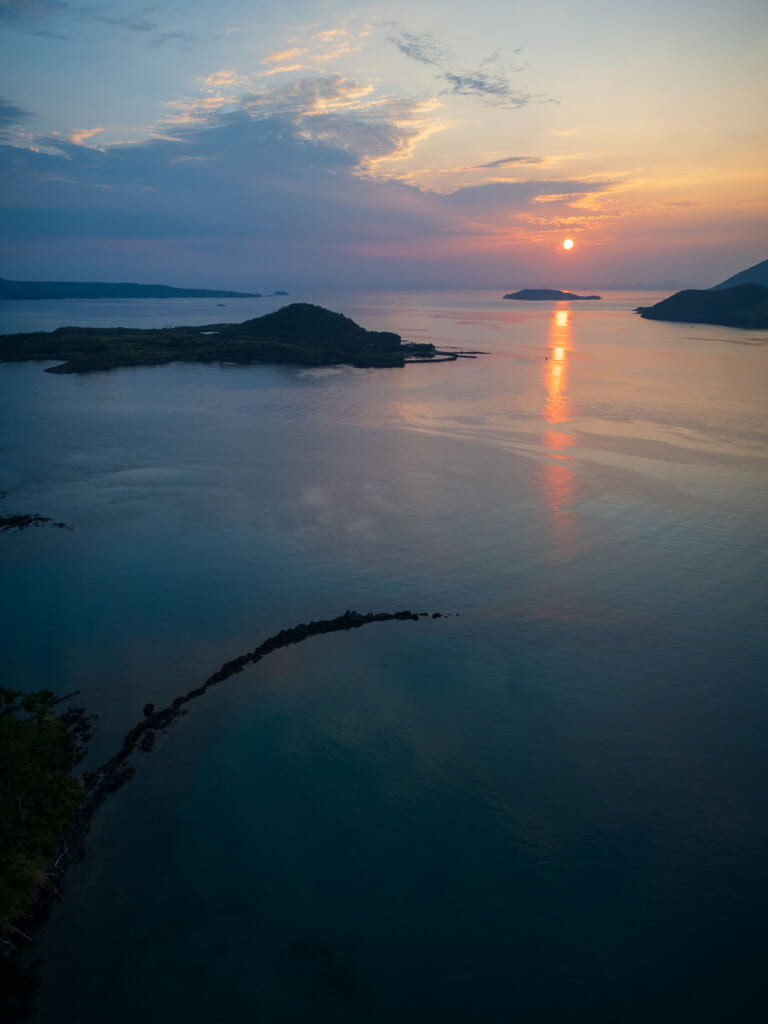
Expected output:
{"points": [[549, 295], [299, 334], [743, 306]]}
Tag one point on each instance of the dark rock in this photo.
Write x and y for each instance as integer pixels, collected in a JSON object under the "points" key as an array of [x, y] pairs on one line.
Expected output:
{"points": [[148, 740]]}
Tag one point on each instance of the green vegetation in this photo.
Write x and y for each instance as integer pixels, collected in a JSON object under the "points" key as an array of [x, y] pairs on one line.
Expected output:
{"points": [[38, 794], [745, 305], [299, 334]]}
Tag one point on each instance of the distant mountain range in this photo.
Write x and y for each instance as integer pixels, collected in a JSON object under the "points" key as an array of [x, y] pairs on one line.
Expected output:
{"points": [[105, 290]]}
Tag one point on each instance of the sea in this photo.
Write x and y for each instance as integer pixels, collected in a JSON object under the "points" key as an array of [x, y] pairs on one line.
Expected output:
{"points": [[548, 805]]}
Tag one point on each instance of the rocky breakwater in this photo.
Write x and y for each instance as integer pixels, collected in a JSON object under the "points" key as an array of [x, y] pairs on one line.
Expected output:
{"points": [[119, 769], [19, 981]]}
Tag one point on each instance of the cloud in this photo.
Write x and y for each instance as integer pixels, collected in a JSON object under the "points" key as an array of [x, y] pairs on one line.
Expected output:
{"points": [[508, 161], [424, 48], [683, 203], [10, 117], [34, 16], [282, 69], [283, 55], [281, 182], [225, 78], [11, 114], [501, 195], [17, 9], [490, 80], [79, 136]]}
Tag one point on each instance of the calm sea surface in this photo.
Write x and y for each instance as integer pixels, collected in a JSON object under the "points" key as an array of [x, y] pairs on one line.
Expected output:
{"points": [[550, 807]]}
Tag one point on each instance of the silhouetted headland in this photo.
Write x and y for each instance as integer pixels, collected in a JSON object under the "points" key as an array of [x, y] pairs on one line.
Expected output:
{"points": [[548, 295], [300, 334], [743, 306], [752, 275], [109, 290]]}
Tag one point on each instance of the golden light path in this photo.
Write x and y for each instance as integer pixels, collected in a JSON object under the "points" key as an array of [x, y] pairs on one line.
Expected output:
{"points": [[557, 479]]}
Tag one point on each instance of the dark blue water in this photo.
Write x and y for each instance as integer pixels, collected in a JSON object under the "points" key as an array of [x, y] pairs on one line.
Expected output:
{"points": [[548, 807]]}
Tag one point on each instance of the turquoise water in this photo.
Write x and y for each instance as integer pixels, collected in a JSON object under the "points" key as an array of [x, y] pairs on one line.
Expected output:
{"points": [[550, 806]]}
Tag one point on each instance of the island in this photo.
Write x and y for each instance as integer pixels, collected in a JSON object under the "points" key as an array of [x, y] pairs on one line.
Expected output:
{"points": [[549, 295], [300, 334], [108, 290], [746, 305]]}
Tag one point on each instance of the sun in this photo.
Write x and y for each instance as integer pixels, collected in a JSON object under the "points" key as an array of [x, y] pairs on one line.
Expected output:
{"points": [[568, 243]]}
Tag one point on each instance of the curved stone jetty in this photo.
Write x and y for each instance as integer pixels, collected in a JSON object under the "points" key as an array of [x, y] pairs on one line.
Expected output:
{"points": [[118, 770]]}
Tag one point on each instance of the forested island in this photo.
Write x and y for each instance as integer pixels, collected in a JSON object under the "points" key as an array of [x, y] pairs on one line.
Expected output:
{"points": [[298, 334], [746, 305], [549, 295], [108, 290]]}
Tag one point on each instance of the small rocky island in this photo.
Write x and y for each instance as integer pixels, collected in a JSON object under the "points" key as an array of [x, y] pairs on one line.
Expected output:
{"points": [[746, 305], [300, 334], [549, 295]]}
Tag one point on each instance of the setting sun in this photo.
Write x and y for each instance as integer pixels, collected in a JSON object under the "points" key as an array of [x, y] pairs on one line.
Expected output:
{"points": [[568, 243]]}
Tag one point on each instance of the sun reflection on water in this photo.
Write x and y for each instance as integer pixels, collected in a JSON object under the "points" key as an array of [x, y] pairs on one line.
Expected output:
{"points": [[557, 407], [558, 482]]}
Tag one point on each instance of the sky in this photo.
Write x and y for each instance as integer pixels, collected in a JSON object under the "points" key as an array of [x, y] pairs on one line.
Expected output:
{"points": [[398, 145]]}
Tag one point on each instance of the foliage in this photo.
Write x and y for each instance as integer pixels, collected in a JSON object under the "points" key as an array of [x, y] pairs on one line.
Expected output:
{"points": [[38, 793]]}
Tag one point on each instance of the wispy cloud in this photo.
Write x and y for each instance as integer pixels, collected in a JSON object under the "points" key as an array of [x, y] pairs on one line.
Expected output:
{"points": [[318, 51], [508, 161], [79, 136], [10, 117], [37, 16], [328, 110], [490, 80], [11, 114], [424, 49], [283, 55], [283, 69], [225, 79]]}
